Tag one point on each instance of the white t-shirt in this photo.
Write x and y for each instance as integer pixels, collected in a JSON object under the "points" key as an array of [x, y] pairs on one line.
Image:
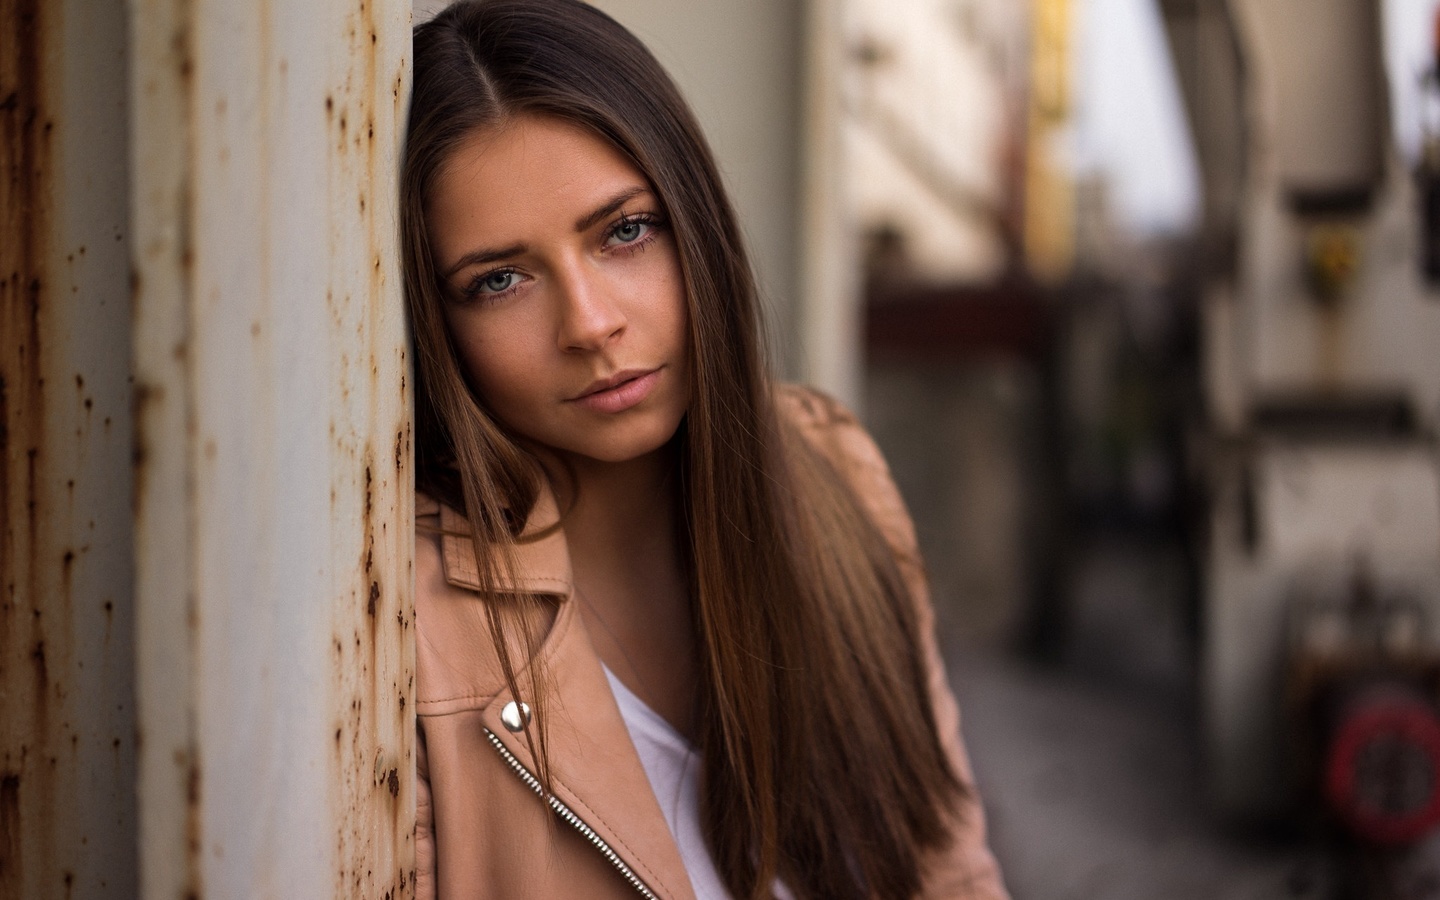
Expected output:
{"points": [[673, 767]]}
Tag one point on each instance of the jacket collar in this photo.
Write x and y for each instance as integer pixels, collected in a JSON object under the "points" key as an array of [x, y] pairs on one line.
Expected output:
{"points": [[596, 771], [542, 565]]}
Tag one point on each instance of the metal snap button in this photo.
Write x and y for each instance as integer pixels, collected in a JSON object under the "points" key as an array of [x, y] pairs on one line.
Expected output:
{"points": [[515, 716]]}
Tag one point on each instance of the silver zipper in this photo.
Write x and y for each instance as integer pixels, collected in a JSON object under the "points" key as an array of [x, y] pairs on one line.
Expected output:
{"points": [[569, 816]]}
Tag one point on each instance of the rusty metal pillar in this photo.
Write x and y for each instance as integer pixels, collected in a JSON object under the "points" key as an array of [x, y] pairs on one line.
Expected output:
{"points": [[206, 651], [67, 732], [273, 483]]}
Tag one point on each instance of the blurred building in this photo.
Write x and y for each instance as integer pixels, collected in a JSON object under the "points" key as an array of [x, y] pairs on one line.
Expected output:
{"points": [[934, 99]]}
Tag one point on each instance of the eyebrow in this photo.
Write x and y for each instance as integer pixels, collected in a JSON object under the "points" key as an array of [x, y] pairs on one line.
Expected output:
{"points": [[482, 257], [584, 223], [587, 221]]}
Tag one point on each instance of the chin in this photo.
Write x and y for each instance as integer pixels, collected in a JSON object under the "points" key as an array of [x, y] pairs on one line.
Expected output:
{"points": [[622, 448]]}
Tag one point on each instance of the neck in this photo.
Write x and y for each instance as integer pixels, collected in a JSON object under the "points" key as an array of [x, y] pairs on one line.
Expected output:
{"points": [[621, 527], [622, 508]]}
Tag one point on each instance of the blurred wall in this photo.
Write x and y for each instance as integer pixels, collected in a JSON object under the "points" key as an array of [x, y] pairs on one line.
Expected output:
{"points": [[934, 98]]}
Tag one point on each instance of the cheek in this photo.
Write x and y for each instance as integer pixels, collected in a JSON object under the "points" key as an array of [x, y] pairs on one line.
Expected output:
{"points": [[486, 379], [496, 369], [682, 324], [676, 311]]}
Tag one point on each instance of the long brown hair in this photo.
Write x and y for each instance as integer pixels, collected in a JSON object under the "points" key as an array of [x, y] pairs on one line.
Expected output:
{"points": [[821, 761]]}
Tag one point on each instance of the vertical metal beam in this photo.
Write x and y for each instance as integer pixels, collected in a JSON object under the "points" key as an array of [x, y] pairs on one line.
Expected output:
{"points": [[67, 808], [829, 314], [273, 482]]}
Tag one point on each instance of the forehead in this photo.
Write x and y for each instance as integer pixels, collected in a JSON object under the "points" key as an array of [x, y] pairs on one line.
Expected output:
{"points": [[526, 168]]}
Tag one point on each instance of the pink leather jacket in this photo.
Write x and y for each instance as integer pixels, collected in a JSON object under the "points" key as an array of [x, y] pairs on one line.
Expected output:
{"points": [[483, 829]]}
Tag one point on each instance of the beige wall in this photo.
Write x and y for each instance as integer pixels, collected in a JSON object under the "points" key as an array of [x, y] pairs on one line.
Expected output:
{"points": [[929, 112]]}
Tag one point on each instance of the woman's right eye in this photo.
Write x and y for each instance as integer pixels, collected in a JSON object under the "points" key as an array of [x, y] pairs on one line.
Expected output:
{"points": [[496, 282], [492, 284]]}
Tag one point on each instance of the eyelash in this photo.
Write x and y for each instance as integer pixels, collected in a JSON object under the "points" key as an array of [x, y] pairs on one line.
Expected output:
{"points": [[650, 219], [474, 290]]}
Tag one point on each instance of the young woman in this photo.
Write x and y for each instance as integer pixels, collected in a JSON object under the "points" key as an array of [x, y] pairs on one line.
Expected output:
{"points": [[674, 638]]}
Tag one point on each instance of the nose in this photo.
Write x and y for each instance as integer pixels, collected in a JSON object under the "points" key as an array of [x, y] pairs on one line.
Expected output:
{"points": [[589, 316]]}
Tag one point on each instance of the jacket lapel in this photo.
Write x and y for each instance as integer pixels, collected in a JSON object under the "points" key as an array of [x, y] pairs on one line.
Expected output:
{"points": [[595, 769], [542, 561]]}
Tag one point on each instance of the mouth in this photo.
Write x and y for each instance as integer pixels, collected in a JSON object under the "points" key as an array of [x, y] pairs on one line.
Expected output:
{"points": [[619, 392]]}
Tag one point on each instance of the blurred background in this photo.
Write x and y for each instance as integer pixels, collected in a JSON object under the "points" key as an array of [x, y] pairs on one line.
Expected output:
{"points": [[1140, 299]]}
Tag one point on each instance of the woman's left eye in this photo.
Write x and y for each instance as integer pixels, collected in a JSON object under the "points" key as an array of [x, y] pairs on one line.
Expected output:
{"points": [[497, 282], [626, 232], [492, 285], [631, 230]]}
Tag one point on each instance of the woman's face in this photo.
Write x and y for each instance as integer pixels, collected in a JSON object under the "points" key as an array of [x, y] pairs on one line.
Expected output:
{"points": [[563, 289]]}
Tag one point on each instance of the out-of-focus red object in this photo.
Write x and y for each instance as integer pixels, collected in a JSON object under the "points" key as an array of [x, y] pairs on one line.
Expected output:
{"points": [[1382, 765]]}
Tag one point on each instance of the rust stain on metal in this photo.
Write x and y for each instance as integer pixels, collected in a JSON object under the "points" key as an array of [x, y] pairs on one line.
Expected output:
{"points": [[24, 213], [143, 397], [11, 861], [375, 671], [42, 674], [168, 262], [26, 163], [7, 607]]}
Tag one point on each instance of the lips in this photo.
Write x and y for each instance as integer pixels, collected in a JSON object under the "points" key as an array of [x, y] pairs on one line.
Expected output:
{"points": [[619, 392]]}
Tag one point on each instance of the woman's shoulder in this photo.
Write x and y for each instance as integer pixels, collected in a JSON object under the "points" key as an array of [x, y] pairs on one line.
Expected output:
{"points": [[450, 626], [836, 433], [809, 407], [831, 428], [457, 666]]}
